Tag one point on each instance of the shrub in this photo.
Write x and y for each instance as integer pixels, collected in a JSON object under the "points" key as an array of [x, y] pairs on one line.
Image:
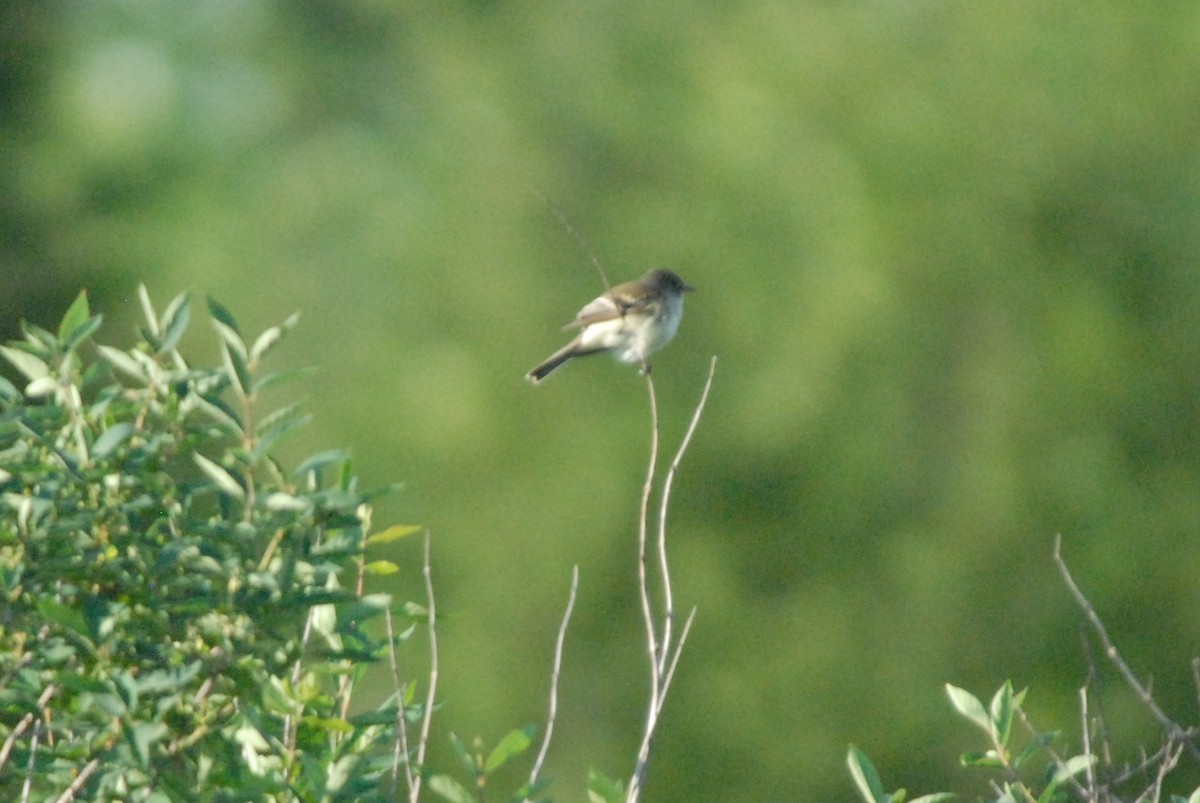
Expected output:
{"points": [[183, 617]]}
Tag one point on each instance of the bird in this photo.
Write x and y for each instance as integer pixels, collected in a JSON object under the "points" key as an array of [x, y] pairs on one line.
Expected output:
{"points": [[630, 321]]}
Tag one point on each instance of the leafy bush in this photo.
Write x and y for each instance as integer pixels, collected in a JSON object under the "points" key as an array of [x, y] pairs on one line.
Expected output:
{"points": [[183, 617], [1031, 770]]}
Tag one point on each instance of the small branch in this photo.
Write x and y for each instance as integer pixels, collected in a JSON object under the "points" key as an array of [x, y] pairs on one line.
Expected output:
{"points": [[1174, 731], [24, 724], [1085, 730], [643, 515], [554, 675], [427, 717], [400, 751], [664, 568], [79, 781], [663, 658]]}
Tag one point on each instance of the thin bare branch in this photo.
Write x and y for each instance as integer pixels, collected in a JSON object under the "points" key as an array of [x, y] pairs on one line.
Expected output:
{"points": [[1173, 729], [400, 750], [663, 658], [24, 724], [27, 787], [554, 675], [427, 715], [576, 235], [664, 504], [1085, 730], [80, 780], [643, 517]]}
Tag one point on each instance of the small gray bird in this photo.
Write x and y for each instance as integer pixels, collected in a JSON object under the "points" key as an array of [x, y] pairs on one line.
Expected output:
{"points": [[630, 321]]}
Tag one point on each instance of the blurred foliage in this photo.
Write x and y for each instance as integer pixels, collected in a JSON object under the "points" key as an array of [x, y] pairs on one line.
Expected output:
{"points": [[946, 252], [1027, 768], [176, 624]]}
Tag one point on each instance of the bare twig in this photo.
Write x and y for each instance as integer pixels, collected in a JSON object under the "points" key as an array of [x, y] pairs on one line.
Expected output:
{"points": [[1085, 730], [400, 749], [664, 568], [576, 235], [80, 780], [1054, 754], [24, 724], [427, 715], [1173, 729], [663, 658], [558, 653], [1147, 761], [643, 517], [27, 787]]}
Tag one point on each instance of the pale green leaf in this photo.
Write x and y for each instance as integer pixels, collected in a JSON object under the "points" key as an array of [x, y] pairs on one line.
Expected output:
{"points": [[175, 321], [510, 745], [76, 316], [865, 777], [447, 788], [969, 706], [394, 533], [282, 501], [148, 309], [220, 476], [122, 362], [32, 367], [111, 438]]}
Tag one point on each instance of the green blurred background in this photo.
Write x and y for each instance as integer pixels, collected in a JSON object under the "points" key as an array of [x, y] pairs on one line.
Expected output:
{"points": [[946, 253]]}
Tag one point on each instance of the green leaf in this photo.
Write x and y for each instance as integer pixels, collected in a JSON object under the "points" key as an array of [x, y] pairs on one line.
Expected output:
{"points": [[278, 424], [111, 438], [866, 778], [175, 321], [233, 352], [381, 568], [267, 340], [40, 341], [219, 313], [969, 706], [282, 501], [936, 797], [82, 332], [64, 615], [602, 789], [1002, 710], [41, 387], [449, 789], [532, 792], [394, 533], [277, 377], [985, 758], [33, 367], [220, 476], [1035, 746], [148, 309], [334, 725], [464, 755], [320, 461], [512, 744], [142, 736], [1072, 767], [122, 362], [76, 316]]}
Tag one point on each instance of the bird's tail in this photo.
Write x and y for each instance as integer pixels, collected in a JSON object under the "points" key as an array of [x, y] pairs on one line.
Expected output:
{"points": [[553, 361]]}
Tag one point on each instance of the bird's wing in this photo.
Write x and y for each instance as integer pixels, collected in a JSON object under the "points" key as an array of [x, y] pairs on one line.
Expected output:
{"points": [[611, 305]]}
